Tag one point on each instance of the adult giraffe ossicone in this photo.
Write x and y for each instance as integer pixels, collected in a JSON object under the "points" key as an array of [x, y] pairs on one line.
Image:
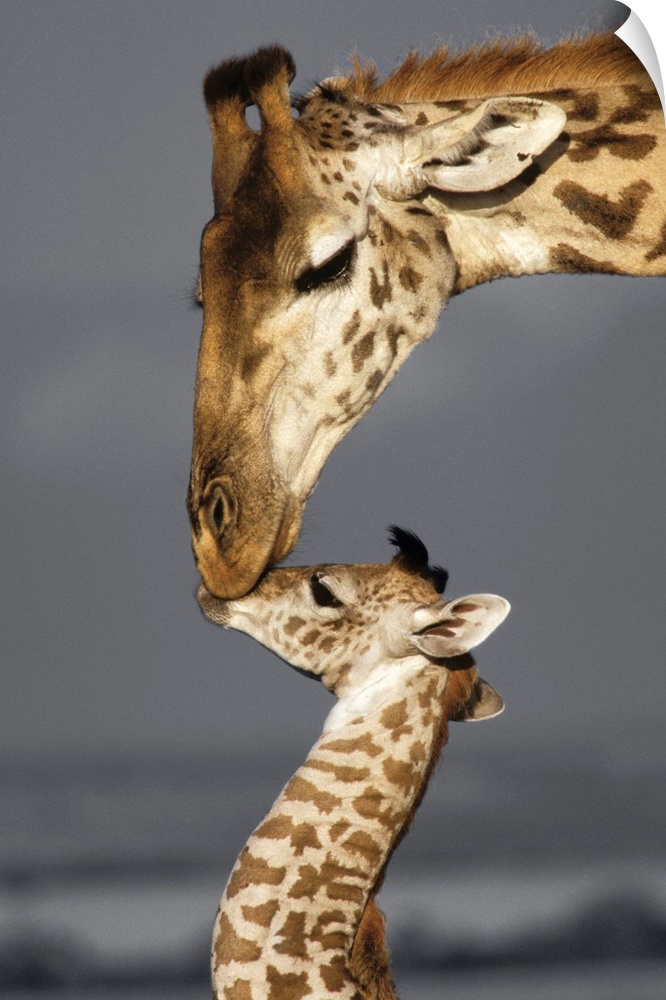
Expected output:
{"points": [[298, 918], [342, 227]]}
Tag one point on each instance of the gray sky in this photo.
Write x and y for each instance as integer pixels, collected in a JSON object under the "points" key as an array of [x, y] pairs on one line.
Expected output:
{"points": [[524, 442]]}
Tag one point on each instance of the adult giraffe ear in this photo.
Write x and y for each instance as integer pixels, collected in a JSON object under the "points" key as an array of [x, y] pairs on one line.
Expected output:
{"points": [[479, 150], [462, 625]]}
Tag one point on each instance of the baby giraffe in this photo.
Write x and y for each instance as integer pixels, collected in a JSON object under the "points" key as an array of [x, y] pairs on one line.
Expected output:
{"points": [[298, 917]]}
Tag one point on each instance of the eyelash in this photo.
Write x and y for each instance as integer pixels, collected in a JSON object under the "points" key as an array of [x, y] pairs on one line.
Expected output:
{"points": [[335, 271], [197, 298], [322, 596]]}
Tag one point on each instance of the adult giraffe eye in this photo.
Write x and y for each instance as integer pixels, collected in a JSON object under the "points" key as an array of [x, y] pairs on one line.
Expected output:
{"points": [[336, 268], [324, 597]]}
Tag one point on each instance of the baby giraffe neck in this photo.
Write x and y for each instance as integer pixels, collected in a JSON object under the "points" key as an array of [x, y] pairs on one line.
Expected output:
{"points": [[294, 921]]}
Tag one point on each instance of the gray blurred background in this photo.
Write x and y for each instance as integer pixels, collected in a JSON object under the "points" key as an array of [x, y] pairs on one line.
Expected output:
{"points": [[524, 443]]}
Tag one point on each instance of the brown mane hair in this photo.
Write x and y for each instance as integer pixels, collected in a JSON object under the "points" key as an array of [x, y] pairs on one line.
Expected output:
{"points": [[501, 66]]}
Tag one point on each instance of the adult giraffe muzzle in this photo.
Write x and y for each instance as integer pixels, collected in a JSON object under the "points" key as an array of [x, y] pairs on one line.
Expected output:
{"points": [[344, 223]]}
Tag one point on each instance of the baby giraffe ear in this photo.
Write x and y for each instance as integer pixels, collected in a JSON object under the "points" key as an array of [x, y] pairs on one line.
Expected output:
{"points": [[464, 623], [485, 703]]}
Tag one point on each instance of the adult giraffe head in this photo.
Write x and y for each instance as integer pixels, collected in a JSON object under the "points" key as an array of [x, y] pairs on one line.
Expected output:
{"points": [[335, 242]]}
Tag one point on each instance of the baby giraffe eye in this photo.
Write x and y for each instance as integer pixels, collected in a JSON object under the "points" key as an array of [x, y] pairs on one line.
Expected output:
{"points": [[324, 597]]}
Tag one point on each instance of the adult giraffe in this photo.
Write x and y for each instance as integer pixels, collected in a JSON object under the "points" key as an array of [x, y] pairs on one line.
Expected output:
{"points": [[341, 231]]}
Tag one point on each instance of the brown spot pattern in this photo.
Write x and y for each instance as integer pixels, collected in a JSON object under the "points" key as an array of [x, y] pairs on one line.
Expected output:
{"points": [[300, 835], [410, 279], [570, 260], [261, 914], [300, 790], [253, 871], [380, 292], [362, 350], [329, 917], [362, 843], [641, 104], [393, 335], [342, 881], [304, 836], [286, 985], [659, 249], [394, 716], [425, 697], [307, 884], [417, 241], [335, 975], [338, 829], [374, 381], [230, 947], [240, 990], [351, 328], [587, 144], [331, 941], [417, 753], [293, 624], [275, 828], [585, 106], [370, 805], [341, 772], [399, 772], [615, 219], [294, 941], [310, 637]]}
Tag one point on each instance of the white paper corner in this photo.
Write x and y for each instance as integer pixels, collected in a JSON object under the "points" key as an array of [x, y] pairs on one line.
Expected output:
{"points": [[644, 32]]}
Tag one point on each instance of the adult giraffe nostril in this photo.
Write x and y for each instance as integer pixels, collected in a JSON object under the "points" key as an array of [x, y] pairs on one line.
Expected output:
{"points": [[230, 552], [218, 508], [218, 514]]}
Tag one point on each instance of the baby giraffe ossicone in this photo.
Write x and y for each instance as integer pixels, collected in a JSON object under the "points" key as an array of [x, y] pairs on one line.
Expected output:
{"points": [[298, 917]]}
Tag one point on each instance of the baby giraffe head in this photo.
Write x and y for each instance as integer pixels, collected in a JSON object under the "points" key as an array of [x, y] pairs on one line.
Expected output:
{"points": [[362, 628]]}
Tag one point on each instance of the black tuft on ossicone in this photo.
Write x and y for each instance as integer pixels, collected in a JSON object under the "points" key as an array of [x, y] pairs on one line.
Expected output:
{"points": [[265, 64], [226, 82], [413, 551], [414, 557], [241, 79]]}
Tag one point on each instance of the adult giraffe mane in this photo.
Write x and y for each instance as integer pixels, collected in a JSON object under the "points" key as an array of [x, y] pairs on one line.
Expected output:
{"points": [[500, 65]]}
